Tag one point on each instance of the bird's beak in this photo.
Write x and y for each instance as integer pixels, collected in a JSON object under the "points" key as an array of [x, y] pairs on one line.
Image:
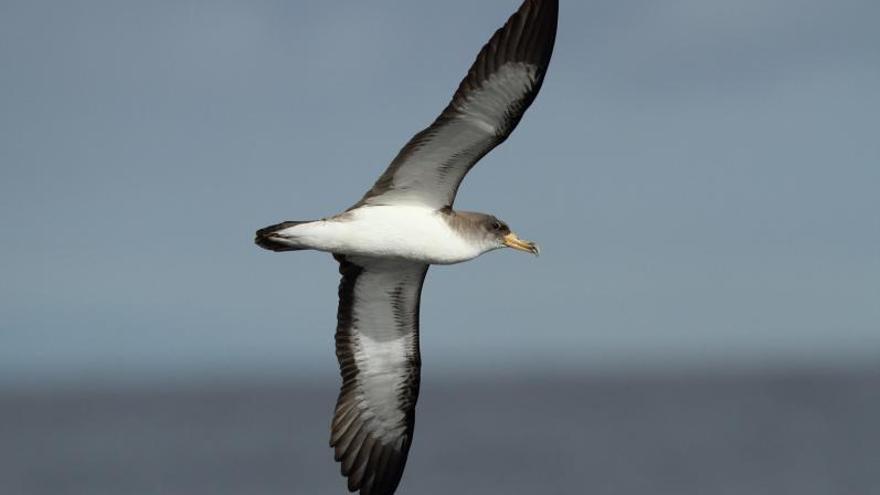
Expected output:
{"points": [[511, 240]]}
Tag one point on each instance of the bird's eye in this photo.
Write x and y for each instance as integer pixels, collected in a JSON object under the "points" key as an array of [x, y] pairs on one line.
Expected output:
{"points": [[496, 225]]}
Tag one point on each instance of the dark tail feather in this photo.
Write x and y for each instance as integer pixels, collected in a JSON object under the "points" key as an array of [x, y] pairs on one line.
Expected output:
{"points": [[265, 240]]}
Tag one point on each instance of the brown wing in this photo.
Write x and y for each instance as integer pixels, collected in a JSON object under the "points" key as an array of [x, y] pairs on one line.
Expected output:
{"points": [[489, 103]]}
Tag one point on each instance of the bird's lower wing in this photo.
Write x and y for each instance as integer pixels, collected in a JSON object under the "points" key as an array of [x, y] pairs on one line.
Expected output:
{"points": [[377, 344]]}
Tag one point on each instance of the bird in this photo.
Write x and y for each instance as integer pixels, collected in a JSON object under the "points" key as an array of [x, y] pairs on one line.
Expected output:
{"points": [[405, 223]]}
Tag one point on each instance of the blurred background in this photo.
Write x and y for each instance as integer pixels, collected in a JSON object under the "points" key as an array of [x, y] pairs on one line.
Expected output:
{"points": [[702, 176]]}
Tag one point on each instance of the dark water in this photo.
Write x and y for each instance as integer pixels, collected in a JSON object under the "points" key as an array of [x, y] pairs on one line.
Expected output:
{"points": [[782, 433]]}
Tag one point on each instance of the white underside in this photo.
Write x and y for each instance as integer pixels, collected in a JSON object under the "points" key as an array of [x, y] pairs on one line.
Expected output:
{"points": [[414, 233]]}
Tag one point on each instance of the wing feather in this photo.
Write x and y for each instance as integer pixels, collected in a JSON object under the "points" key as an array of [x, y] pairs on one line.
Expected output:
{"points": [[378, 352], [489, 103]]}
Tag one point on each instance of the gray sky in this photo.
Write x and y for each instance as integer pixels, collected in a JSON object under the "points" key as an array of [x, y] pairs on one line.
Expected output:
{"points": [[702, 175]]}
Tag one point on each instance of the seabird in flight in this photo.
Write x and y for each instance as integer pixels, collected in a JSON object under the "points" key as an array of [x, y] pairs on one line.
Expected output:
{"points": [[385, 243]]}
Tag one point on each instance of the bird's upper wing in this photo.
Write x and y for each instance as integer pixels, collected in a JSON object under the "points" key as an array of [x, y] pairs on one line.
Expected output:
{"points": [[489, 102], [377, 344]]}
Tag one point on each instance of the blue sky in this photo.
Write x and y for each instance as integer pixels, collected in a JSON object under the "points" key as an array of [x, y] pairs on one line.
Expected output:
{"points": [[702, 176]]}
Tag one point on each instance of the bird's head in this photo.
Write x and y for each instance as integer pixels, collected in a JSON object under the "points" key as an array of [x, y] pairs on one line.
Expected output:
{"points": [[494, 233]]}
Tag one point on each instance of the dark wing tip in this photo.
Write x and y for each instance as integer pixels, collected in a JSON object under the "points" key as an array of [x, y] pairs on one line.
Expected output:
{"points": [[540, 19], [528, 36], [372, 465]]}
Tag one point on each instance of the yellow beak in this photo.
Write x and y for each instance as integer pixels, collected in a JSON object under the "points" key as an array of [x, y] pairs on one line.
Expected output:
{"points": [[511, 240]]}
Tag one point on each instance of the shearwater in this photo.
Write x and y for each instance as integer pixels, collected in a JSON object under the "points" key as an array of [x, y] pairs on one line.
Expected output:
{"points": [[385, 243]]}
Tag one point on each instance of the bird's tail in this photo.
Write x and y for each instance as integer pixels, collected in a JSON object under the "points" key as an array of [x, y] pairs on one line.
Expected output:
{"points": [[274, 237]]}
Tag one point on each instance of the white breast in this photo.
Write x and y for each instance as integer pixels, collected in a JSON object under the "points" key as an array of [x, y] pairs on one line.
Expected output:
{"points": [[413, 233]]}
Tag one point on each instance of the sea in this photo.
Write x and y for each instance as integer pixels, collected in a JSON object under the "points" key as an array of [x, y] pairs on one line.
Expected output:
{"points": [[799, 432]]}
